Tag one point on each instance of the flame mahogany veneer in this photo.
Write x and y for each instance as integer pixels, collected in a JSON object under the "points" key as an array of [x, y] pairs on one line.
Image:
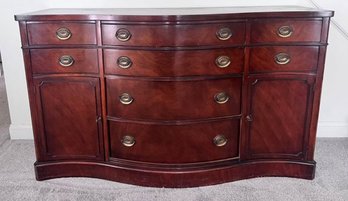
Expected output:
{"points": [[175, 97]]}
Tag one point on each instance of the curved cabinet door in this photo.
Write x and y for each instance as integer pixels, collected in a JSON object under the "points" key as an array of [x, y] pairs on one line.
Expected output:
{"points": [[278, 116], [69, 113]]}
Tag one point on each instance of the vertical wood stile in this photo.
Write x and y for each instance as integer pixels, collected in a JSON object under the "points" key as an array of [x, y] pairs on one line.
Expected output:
{"points": [[317, 89], [30, 87], [244, 124], [102, 90]]}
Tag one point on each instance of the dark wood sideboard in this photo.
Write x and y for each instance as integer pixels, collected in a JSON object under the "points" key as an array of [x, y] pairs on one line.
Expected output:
{"points": [[175, 97]]}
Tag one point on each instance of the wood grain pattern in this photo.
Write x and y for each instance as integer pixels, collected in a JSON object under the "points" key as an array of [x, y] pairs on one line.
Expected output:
{"points": [[102, 94], [305, 30], [185, 35], [317, 91], [69, 109], [171, 100], [173, 63], [192, 143], [177, 178], [302, 59], [45, 33], [46, 61], [278, 113]]}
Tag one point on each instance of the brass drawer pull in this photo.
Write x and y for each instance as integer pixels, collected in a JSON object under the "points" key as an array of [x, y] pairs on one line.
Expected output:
{"points": [[221, 97], [282, 58], [220, 140], [123, 35], [124, 62], [128, 141], [126, 99], [63, 33], [224, 33], [223, 61], [285, 31], [66, 60]]}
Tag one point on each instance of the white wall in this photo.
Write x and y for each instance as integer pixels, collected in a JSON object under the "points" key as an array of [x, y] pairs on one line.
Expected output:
{"points": [[333, 119], [333, 115], [13, 66]]}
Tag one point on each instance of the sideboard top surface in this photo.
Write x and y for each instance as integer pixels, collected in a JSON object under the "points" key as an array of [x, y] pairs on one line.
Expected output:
{"points": [[173, 14]]}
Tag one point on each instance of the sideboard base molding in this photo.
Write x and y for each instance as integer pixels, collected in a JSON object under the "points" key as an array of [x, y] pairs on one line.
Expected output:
{"points": [[175, 178]]}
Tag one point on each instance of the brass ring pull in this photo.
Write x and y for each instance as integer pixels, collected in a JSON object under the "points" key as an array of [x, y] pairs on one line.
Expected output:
{"points": [[63, 33], [126, 99], [282, 58], [128, 141], [223, 61], [220, 140], [124, 62], [221, 97], [66, 60], [123, 35], [224, 33], [285, 31]]}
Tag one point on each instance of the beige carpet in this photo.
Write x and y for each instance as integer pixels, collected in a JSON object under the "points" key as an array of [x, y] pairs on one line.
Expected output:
{"points": [[17, 182]]}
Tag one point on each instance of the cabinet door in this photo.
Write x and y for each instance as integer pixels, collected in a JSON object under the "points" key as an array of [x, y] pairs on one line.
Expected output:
{"points": [[69, 118], [278, 116]]}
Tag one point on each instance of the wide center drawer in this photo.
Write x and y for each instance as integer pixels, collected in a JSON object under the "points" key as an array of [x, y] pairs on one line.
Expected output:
{"points": [[199, 142], [173, 63], [174, 35], [173, 100]]}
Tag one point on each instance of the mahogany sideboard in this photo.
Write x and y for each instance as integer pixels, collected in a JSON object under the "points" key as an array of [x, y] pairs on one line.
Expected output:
{"points": [[175, 97]]}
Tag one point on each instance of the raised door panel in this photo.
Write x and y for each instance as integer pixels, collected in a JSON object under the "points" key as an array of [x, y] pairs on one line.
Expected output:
{"points": [[69, 110], [278, 116]]}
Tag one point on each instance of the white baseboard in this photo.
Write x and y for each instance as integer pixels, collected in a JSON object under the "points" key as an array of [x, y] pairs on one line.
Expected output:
{"points": [[325, 129], [332, 129], [21, 132]]}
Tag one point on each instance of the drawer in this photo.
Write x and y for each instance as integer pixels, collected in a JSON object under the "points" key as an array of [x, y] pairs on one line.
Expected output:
{"points": [[285, 30], [200, 142], [46, 61], [283, 58], [173, 63], [174, 35], [61, 33], [173, 100]]}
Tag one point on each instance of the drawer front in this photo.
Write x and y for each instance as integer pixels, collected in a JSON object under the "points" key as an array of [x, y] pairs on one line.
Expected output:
{"points": [[284, 58], [173, 63], [46, 61], [286, 30], [173, 100], [61, 33], [192, 143], [173, 35]]}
